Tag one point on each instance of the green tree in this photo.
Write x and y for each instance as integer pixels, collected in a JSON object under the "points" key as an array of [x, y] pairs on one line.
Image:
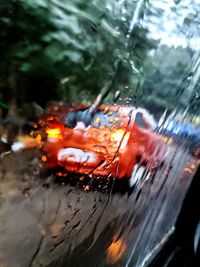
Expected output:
{"points": [[165, 70], [65, 49]]}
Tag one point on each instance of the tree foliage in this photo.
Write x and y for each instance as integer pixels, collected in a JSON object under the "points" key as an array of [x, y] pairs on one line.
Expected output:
{"points": [[77, 42], [166, 71], [70, 50]]}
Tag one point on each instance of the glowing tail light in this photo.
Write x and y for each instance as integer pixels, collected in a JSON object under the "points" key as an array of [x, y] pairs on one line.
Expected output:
{"points": [[54, 133]]}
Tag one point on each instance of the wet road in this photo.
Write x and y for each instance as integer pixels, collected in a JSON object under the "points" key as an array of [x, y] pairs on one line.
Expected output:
{"points": [[47, 224]]}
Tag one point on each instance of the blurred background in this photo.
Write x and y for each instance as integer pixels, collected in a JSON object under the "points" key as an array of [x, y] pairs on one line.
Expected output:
{"points": [[143, 53], [68, 50]]}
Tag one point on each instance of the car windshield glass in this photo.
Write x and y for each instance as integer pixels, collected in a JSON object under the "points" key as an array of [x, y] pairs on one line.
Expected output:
{"points": [[70, 119], [108, 119], [99, 133], [139, 120]]}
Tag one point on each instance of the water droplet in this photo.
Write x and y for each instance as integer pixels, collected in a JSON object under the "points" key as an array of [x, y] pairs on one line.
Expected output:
{"points": [[26, 192]]}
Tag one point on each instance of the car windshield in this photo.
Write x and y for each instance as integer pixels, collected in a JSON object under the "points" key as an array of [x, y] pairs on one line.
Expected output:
{"points": [[106, 119], [99, 133], [145, 120], [139, 120]]}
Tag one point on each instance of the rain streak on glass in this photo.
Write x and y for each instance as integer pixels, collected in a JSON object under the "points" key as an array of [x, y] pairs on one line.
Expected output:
{"points": [[117, 161]]}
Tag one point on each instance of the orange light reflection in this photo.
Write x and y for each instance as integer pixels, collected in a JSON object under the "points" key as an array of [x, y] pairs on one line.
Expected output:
{"points": [[53, 133], [115, 251]]}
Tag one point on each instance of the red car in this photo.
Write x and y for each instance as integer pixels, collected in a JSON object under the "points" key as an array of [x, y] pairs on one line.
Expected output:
{"points": [[117, 142]]}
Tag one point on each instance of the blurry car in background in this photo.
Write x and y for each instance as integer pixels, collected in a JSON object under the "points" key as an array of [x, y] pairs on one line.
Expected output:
{"points": [[182, 133], [118, 142]]}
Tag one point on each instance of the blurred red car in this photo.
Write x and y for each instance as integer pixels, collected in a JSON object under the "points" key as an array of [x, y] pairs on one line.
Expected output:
{"points": [[116, 140]]}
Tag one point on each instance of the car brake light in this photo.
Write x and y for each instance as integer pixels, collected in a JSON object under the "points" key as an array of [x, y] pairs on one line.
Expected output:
{"points": [[54, 133]]}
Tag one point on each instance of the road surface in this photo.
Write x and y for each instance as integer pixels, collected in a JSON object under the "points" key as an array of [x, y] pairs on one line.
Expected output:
{"points": [[48, 224]]}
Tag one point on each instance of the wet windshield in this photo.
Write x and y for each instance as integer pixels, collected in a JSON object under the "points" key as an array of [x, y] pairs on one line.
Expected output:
{"points": [[99, 133], [107, 120]]}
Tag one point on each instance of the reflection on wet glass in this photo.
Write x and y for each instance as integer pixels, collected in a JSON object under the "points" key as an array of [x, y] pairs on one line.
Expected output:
{"points": [[115, 251], [126, 159]]}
